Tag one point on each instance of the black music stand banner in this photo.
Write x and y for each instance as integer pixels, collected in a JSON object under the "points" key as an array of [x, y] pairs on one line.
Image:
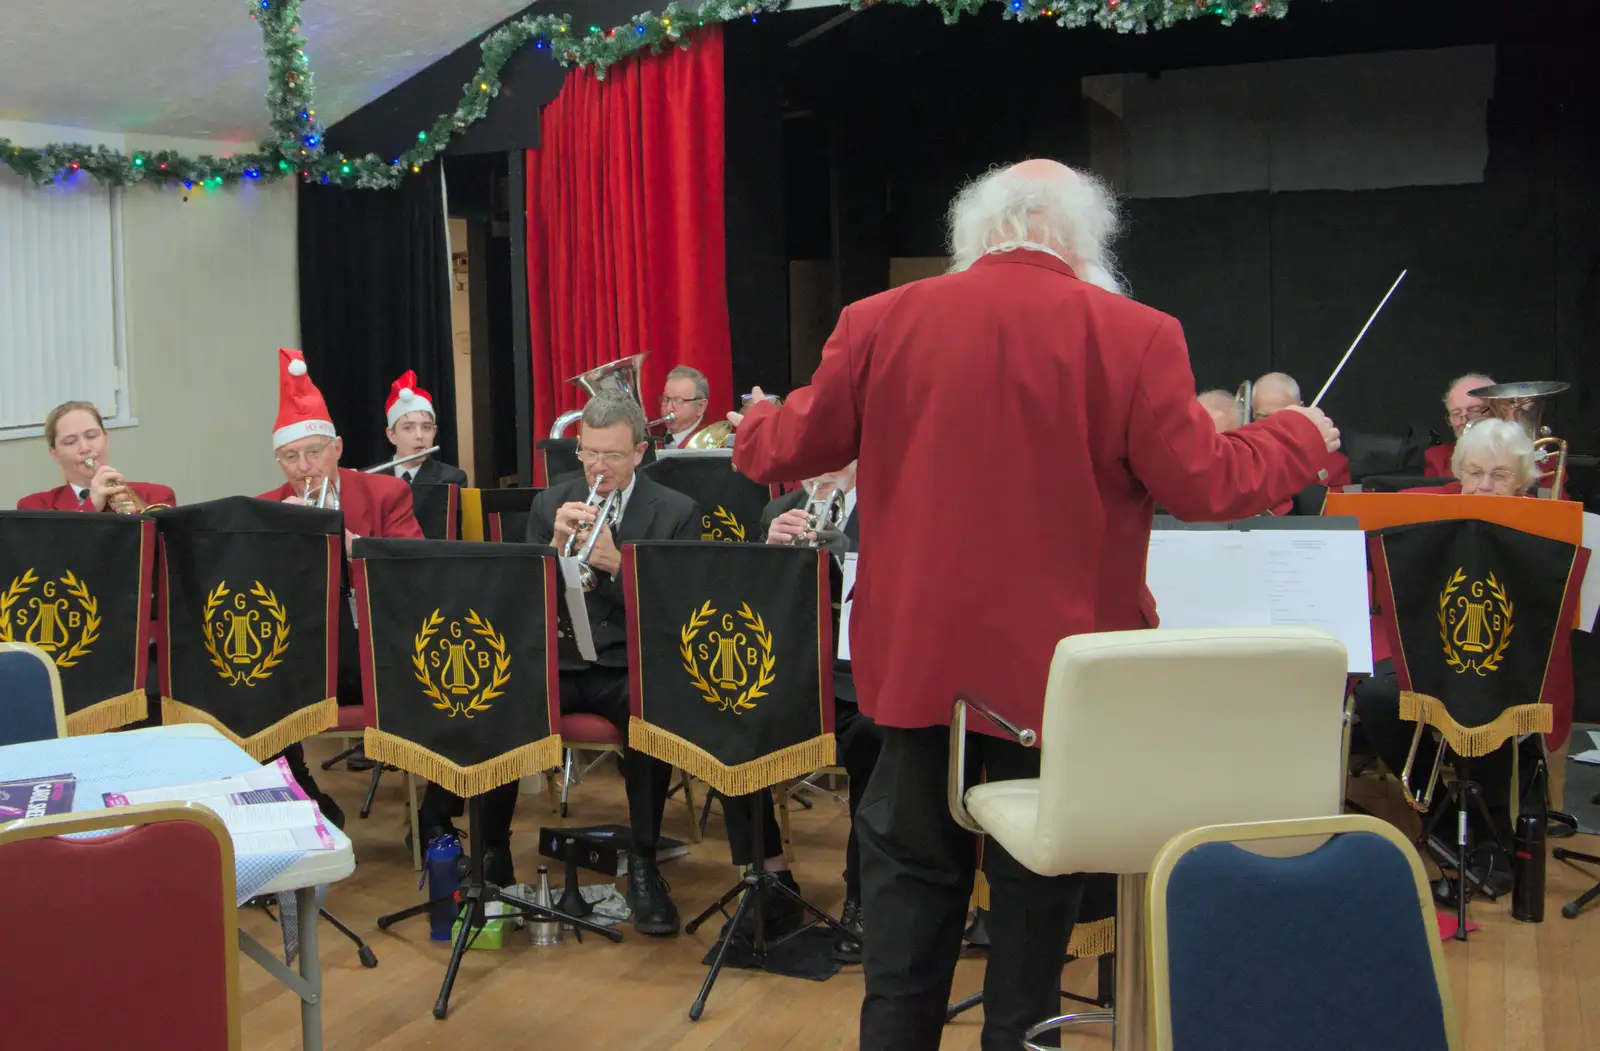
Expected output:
{"points": [[505, 514], [249, 620], [458, 659], [1476, 614], [438, 510], [78, 587], [730, 660], [731, 503]]}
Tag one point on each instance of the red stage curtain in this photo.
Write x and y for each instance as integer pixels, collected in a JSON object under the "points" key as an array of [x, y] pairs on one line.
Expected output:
{"points": [[625, 228]]}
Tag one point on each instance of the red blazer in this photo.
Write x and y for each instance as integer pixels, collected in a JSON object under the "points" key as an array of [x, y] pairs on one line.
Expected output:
{"points": [[376, 505], [62, 498], [1436, 460], [1076, 413]]}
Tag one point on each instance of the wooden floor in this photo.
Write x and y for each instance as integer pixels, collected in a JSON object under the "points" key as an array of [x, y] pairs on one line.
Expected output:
{"points": [[1517, 987]]}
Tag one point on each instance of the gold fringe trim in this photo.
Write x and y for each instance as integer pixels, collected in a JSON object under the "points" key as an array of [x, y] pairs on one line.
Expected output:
{"points": [[980, 891], [264, 744], [1474, 741], [1096, 938], [466, 781], [108, 714], [795, 761]]}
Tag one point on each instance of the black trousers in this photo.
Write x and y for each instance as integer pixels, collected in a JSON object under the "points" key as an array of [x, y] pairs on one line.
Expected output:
{"points": [[917, 869], [1377, 705], [857, 743], [597, 691]]}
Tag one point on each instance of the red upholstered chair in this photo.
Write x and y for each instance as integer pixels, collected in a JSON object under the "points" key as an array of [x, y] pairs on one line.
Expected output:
{"points": [[582, 732], [124, 941]]}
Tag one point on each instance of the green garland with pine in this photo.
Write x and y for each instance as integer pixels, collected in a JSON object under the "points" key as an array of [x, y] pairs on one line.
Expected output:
{"points": [[296, 150]]}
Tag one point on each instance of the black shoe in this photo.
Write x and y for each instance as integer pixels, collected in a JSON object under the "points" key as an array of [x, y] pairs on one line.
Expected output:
{"points": [[497, 867], [653, 911], [848, 950], [782, 915]]}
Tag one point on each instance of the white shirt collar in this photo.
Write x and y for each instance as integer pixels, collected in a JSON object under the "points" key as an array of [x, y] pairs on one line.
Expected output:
{"points": [[1032, 246], [622, 507], [849, 503], [409, 467], [80, 491]]}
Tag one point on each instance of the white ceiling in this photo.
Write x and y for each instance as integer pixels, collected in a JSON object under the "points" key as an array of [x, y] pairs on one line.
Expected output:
{"points": [[194, 68]]}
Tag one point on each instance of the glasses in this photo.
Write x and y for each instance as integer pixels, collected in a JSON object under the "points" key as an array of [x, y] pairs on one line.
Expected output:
{"points": [[1501, 476], [677, 403], [1469, 415], [589, 456], [294, 458]]}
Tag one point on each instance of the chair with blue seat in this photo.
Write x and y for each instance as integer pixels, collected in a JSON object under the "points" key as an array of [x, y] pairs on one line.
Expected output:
{"points": [[1147, 734], [30, 695], [1326, 943]]}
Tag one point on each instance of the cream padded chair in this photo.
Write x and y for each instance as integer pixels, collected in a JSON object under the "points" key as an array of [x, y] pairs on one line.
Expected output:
{"points": [[1151, 733]]}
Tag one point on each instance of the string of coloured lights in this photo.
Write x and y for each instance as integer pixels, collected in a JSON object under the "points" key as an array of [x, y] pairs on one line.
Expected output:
{"points": [[296, 149]]}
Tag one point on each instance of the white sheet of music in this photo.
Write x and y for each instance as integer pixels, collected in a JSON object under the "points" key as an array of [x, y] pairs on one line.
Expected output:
{"points": [[1589, 596], [1265, 577], [845, 587], [572, 591]]}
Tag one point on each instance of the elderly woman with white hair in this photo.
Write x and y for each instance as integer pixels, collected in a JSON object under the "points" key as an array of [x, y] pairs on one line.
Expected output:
{"points": [[1493, 458]]}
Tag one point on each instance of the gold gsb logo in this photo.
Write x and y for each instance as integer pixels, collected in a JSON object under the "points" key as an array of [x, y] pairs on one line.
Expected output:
{"points": [[1475, 623], [721, 525], [58, 616], [732, 664], [466, 668], [247, 633]]}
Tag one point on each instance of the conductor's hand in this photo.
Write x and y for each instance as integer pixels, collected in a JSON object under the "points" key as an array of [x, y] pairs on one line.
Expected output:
{"points": [[1330, 433], [568, 517], [789, 526], [605, 557]]}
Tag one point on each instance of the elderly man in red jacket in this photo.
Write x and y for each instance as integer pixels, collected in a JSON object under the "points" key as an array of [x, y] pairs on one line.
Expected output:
{"points": [[1087, 417]]}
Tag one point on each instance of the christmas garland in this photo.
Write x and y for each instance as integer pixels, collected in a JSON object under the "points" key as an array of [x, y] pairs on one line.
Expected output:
{"points": [[296, 147]]}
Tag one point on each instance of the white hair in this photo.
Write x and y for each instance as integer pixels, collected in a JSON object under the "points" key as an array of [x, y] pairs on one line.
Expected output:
{"points": [[1066, 211], [1499, 439], [1287, 383], [1478, 378]]}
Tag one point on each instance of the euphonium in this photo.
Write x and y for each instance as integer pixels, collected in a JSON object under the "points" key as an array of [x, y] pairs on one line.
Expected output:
{"points": [[825, 513], [122, 498], [609, 511], [1244, 403], [1523, 404]]}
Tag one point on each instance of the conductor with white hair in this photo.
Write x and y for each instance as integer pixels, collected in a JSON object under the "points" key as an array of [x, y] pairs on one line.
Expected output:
{"points": [[1081, 403]]}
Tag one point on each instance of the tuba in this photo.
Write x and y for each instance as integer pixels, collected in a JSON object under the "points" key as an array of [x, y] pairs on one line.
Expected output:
{"points": [[720, 435], [1523, 404], [1244, 404], [622, 375], [123, 500]]}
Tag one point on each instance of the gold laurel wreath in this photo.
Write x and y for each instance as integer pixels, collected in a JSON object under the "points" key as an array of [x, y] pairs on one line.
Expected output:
{"points": [[1492, 662], [79, 590], [501, 676], [280, 637], [1451, 658], [724, 516], [13, 594], [764, 676]]}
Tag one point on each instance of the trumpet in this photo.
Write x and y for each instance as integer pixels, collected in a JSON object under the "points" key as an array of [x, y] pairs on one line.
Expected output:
{"points": [[327, 497], [825, 513], [122, 498], [610, 510]]}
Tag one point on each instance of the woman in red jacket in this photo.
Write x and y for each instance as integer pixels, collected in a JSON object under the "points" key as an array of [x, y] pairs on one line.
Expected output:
{"points": [[79, 445]]}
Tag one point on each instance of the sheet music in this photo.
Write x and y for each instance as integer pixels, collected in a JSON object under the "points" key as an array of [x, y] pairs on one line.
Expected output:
{"points": [[1265, 578], [577, 609], [846, 587], [1589, 595]]}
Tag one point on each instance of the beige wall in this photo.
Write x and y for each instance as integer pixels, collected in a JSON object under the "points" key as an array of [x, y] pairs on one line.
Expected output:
{"points": [[210, 294]]}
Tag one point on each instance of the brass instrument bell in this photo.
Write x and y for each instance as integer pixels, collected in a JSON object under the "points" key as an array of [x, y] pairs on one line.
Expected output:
{"points": [[1523, 404], [1244, 404], [825, 513], [622, 375]]}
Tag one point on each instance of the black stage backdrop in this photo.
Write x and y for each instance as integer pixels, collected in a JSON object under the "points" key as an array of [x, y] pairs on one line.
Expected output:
{"points": [[375, 301]]}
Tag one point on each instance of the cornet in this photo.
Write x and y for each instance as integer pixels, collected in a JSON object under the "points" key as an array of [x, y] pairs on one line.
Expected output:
{"points": [[825, 513], [122, 498], [327, 495], [610, 510]]}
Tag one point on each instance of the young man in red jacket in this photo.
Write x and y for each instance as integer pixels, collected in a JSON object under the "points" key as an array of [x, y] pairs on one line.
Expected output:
{"points": [[1087, 407]]}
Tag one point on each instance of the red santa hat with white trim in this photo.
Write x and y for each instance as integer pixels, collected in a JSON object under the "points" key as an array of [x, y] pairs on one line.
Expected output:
{"points": [[405, 396], [301, 410]]}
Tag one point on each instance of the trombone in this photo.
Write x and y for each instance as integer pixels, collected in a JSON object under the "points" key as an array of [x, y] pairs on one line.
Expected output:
{"points": [[610, 510], [1244, 404], [122, 498]]}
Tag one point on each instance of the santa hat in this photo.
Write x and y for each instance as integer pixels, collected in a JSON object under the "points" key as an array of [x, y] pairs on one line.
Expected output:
{"points": [[405, 396], [301, 410]]}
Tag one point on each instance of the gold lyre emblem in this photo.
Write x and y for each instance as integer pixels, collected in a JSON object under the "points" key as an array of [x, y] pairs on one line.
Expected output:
{"points": [[453, 661], [59, 616], [732, 664], [246, 633], [1475, 623], [721, 525]]}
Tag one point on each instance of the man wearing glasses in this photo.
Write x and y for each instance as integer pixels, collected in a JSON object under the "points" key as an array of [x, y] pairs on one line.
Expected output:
{"points": [[611, 444], [1462, 409], [685, 396]]}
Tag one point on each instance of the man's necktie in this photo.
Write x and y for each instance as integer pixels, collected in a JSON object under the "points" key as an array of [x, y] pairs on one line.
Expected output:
{"points": [[406, 475]]}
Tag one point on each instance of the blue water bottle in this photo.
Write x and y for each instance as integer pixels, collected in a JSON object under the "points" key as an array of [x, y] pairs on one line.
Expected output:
{"points": [[443, 879]]}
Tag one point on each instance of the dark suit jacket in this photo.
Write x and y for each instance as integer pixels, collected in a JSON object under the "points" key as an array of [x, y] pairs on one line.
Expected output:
{"points": [[844, 683], [432, 472], [654, 512]]}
